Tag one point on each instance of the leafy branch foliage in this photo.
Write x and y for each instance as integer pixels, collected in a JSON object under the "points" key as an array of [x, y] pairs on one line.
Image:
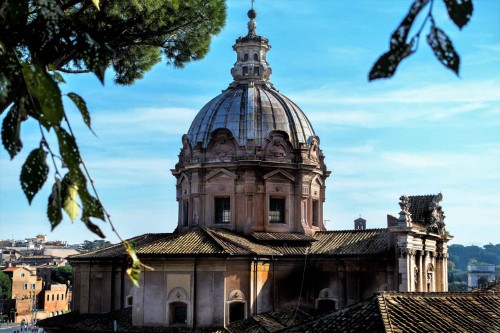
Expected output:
{"points": [[41, 39], [402, 46]]}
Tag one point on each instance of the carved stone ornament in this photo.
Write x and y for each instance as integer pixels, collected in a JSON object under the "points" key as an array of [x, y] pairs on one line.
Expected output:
{"points": [[314, 151], [404, 214], [221, 145], [436, 222], [403, 252], [236, 295], [277, 147], [186, 149]]}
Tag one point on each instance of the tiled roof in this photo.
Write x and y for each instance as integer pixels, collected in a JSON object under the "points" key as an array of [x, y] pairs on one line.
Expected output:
{"points": [[271, 321], [351, 242], [216, 241], [10, 269], [360, 317], [412, 312], [196, 241], [280, 236], [75, 322], [440, 312], [117, 250], [205, 241]]}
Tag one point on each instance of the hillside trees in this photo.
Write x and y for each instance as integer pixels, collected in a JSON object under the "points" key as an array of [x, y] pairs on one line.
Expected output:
{"points": [[62, 274]]}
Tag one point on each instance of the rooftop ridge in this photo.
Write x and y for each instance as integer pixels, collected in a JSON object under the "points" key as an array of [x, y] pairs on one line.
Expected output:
{"points": [[349, 230]]}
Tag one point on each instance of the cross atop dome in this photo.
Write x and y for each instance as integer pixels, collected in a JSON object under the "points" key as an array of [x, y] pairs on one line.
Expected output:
{"points": [[251, 66]]}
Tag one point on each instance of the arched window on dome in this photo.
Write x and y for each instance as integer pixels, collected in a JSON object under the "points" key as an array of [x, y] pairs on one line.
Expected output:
{"points": [[245, 58], [255, 57]]}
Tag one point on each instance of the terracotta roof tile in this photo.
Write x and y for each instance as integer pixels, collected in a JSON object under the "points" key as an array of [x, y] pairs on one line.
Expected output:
{"points": [[440, 312], [351, 242], [117, 250], [271, 321], [75, 322], [10, 269], [280, 236], [360, 317]]}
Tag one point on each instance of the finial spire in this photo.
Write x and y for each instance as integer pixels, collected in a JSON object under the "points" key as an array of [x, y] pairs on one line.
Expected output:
{"points": [[252, 14]]}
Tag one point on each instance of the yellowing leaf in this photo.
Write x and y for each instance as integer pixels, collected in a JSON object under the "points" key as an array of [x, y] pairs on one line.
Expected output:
{"points": [[134, 264], [70, 204], [96, 4]]}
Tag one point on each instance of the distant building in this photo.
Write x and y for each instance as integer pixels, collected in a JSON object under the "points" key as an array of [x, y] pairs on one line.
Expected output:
{"points": [[55, 299], [480, 274], [26, 288]]}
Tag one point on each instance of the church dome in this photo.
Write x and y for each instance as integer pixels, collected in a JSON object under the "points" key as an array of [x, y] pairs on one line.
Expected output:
{"points": [[251, 112], [250, 108], [251, 160]]}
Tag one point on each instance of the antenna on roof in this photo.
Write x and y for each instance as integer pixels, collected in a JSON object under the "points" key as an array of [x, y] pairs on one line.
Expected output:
{"points": [[252, 3]]}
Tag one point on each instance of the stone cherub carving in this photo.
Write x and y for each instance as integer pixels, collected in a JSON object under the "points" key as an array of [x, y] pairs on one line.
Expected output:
{"points": [[436, 222]]}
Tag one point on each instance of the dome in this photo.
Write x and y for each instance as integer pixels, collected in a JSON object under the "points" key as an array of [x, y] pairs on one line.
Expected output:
{"points": [[251, 112], [250, 160]]}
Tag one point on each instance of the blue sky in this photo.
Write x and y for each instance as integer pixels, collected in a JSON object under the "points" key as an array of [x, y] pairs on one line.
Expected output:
{"points": [[424, 131]]}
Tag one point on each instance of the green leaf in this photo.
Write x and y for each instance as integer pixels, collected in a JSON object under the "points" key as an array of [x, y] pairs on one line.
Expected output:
{"points": [[96, 4], [34, 173], [400, 35], [11, 132], [460, 11], [45, 94], [68, 149], [91, 206], [70, 204], [443, 49], [92, 227], [54, 207], [94, 56], [57, 77], [82, 106], [386, 65]]}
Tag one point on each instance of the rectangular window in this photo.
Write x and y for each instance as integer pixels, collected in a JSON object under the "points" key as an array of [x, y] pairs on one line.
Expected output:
{"points": [[315, 213], [245, 70], [256, 70], [48, 296], [222, 210], [276, 210], [25, 287], [185, 213]]}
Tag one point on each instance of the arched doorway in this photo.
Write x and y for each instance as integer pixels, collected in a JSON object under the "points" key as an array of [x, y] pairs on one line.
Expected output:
{"points": [[178, 313], [236, 311]]}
